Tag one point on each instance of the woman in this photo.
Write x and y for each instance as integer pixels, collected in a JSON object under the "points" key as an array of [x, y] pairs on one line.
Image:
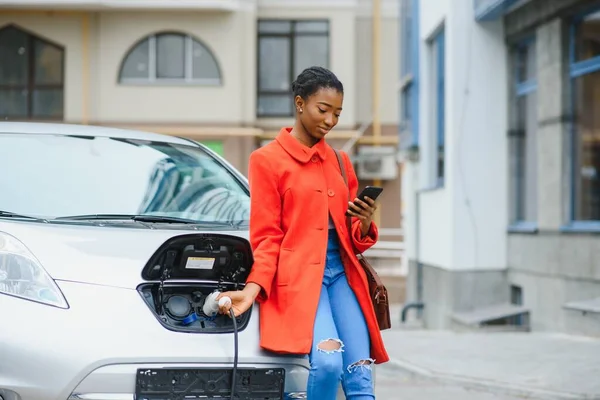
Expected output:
{"points": [[313, 292]]}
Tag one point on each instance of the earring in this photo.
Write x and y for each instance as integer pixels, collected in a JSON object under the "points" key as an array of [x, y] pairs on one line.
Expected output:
{"points": [[300, 109]]}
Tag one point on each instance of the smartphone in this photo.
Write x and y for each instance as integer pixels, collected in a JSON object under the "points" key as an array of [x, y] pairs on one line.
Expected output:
{"points": [[371, 192]]}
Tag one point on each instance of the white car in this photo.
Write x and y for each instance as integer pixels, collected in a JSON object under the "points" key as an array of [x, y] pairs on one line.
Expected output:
{"points": [[111, 242]]}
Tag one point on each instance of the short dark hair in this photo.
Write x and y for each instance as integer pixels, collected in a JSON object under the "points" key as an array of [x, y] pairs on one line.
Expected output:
{"points": [[314, 78]]}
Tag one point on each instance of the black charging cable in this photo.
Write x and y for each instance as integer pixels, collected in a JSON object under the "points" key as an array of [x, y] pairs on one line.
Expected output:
{"points": [[235, 355]]}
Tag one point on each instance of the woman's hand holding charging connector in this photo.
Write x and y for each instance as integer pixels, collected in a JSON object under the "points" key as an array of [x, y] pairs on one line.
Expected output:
{"points": [[241, 300]]}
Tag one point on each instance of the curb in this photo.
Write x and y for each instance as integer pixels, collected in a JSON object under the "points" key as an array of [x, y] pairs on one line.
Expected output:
{"points": [[487, 385]]}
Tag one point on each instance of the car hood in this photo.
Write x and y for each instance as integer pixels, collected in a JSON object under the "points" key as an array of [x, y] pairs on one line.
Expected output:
{"points": [[102, 255]]}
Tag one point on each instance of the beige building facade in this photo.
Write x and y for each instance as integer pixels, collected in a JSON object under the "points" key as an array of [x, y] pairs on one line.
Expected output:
{"points": [[214, 71]]}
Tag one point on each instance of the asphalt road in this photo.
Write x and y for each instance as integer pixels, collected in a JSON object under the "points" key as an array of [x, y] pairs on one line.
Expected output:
{"points": [[392, 384]]}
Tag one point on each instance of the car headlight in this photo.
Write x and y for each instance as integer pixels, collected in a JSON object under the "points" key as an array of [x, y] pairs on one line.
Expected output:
{"points": [[22, 275]]}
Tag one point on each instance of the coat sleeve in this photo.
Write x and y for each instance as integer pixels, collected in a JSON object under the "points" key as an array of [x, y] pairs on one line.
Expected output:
{"points": [[362, 243], [265, 222]]}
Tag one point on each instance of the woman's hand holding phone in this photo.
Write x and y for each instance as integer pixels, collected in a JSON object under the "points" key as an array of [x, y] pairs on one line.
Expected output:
{"points": [[363, 210], [364, 207]]}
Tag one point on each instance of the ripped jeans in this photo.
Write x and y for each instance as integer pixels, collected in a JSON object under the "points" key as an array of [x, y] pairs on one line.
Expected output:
{"points": [[341, 343]]}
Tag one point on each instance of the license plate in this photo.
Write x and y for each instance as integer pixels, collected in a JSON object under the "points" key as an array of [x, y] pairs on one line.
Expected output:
{"points": [[209, 383]]}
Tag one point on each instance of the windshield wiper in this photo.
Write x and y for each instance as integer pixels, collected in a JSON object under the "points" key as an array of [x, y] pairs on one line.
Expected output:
{"points": [[142, 218], [9, 214]]}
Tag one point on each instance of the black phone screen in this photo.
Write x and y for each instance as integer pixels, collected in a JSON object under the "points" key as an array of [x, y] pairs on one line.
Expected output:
{"points": [[371, 192]]}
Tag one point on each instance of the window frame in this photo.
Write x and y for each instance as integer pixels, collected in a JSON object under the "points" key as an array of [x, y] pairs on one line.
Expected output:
{"points": [[153, 78], [291, 37], [440, 87], [577, 69], [436, 46], [31, 86], [520, 89], [409, 75]]}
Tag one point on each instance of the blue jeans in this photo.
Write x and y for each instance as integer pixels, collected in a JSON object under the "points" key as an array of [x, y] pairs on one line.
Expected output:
{"points": [[340, 327]]}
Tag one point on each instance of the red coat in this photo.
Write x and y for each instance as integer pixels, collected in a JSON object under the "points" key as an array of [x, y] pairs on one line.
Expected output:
{"points": [[292, 189]]}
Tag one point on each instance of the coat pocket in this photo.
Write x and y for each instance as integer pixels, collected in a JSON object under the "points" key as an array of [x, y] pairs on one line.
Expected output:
{"points": [[284, 267]]}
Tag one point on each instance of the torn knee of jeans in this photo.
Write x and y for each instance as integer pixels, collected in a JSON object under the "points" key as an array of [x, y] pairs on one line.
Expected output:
{"points": [[361, 364], [330, 346]]}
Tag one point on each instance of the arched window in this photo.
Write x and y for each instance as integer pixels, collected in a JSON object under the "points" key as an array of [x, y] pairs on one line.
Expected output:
{"points": [[31, 76], [171, 58]]}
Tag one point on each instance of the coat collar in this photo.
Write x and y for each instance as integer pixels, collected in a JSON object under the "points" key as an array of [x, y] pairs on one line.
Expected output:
{"points": [[298, 150]]}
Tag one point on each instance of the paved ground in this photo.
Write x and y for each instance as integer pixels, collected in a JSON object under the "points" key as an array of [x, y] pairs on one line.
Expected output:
{"points": [[525, 365], [393, 384]]}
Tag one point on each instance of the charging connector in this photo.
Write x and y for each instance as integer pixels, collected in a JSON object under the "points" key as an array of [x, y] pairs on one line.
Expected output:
{"points": [[210, 309]]}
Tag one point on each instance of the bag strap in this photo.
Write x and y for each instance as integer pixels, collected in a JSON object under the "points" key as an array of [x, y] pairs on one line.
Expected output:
{"points": [[345, 176], [371, 273]]}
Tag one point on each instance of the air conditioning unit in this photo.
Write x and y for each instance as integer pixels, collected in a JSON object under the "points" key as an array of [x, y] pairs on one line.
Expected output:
{"points": [[377, 162]]}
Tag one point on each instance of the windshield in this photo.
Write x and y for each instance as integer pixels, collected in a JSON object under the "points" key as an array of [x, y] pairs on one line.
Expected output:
{"points": [[54, 176]]}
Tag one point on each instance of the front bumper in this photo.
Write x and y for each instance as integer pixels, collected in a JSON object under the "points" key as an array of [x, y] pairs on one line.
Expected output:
{"points": [[93, 350]]}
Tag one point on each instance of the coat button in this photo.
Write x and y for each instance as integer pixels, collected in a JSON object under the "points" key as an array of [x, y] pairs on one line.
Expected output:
{"points": [[314, 159], [331, 193]]}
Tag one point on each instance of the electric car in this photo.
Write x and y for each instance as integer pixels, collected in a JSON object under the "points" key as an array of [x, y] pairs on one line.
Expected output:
{"points": [[111, 242]]}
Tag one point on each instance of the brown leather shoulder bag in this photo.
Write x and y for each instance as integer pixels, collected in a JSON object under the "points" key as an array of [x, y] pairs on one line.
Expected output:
{"points": [[377, 289]]}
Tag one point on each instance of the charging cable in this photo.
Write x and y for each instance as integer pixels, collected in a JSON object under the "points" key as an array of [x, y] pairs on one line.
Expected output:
{"points": [[235, 354], [210, 309]]}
